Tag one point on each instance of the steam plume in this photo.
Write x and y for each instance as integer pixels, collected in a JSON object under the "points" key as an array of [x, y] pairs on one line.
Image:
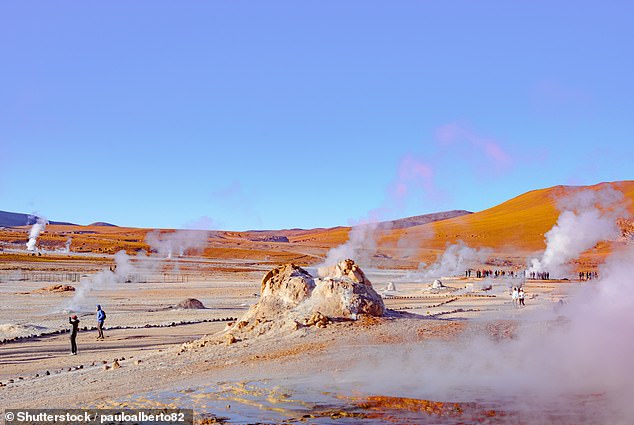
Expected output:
{"points": [[125, 271], [587, 217], [455, 260], [558, 360], [38, 227], [176, 243]]}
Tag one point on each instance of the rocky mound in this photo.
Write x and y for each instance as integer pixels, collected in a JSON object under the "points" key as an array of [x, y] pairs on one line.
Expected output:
{"points": [[190, 304], [292, 299], [57, 288], [627, 228]]}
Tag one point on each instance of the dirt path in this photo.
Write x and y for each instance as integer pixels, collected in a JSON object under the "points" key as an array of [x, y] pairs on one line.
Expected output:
{"points": [[38, 355]]}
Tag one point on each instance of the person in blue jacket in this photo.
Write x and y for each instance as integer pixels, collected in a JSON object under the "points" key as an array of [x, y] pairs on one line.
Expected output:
{"points": [[101, 317]]}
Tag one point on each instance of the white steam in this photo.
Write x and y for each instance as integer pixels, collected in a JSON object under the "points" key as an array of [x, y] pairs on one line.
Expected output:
{"points": [[575, 361], [177, 243], [37, 228], [360, 246], [455, 260], [139, 268], [126, 270], [587, 217]]}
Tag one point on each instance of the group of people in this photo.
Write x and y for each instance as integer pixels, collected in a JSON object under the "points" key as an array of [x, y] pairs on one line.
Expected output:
{"points": [[490, 273], [480, 274], [74, 322], [538, 275], [588, 275], [518, 296]]}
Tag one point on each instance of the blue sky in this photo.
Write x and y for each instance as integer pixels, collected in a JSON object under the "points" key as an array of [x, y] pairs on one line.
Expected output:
{"points": [[242, 115]]}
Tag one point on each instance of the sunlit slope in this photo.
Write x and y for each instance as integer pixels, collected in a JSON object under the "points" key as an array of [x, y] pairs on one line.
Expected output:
{"points": [[515, 226], [518, 224]]}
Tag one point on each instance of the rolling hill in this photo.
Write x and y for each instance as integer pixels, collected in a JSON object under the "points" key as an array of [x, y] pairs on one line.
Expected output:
{"points": [[514, 227]]}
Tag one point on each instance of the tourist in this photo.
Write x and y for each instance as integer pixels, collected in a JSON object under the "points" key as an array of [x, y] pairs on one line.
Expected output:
{"points": [[74, 321], [101, 317], [521, 296], [514, 296]]}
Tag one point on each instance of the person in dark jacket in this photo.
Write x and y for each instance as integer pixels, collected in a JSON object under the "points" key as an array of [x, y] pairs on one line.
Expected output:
{"points": [[74, 321], [101, 317]]}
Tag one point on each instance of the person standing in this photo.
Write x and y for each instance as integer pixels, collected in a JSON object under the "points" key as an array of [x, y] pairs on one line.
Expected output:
{"points": [[101, 317], [521, 296], [514, 296], [74, 321]]}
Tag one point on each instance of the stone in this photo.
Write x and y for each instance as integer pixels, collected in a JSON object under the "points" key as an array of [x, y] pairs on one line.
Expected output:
{"points": [[190, 304], [437, 284], [288, 285], [317, 319]]}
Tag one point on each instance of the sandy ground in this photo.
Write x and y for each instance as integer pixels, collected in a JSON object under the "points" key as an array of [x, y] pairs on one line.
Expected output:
{"points": [[268, 379]]}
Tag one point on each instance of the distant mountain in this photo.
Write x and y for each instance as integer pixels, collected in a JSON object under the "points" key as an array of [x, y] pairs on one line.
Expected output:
{"points": [[404, 223], [103, 224], [11, 219]]}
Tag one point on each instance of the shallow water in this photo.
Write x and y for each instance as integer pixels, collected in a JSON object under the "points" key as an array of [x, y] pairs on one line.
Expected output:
{"points": [[264, 402]]}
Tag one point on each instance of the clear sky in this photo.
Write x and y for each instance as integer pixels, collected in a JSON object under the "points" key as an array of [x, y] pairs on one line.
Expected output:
{"points": [[266, 114]]}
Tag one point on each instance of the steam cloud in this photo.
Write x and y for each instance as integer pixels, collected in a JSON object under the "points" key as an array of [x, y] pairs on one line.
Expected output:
{"points": [[125, 270], [360, 246], [455, 260], [38, 227], [176, 243], [574, 362], [587, 217], [136, 269]]}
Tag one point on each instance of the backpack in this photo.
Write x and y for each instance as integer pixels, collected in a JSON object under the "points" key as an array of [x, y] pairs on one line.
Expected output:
{"points": [[104, 314]]}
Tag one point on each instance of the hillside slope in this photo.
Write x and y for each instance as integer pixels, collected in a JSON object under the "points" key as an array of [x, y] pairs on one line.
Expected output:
{"points": [[518, 224], [514, 227]]}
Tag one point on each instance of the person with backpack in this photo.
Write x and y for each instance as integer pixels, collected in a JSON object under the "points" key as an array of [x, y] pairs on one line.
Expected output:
{"points": [[101, 317], [74, 322]]}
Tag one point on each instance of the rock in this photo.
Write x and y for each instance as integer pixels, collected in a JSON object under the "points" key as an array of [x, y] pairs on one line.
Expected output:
{"points": [[115, 364], [346, 268], [106, 367], [57, 288], [292, 300], [287, 285], [137, 362], [290, 294], [317, 319], [190, 304], [345, 298], [390, 286], [437, 284]]}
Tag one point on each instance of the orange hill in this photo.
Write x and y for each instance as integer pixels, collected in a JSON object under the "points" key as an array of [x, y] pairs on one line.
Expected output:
{"points": [[517, 225], [514, 227]]}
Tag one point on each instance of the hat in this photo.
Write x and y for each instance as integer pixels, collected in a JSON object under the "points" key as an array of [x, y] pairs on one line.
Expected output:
{"points": [[75, 316]]}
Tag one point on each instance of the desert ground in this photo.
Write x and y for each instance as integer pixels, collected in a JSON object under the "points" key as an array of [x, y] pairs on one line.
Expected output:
{"points": [[262, 380], [421, 345]]}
